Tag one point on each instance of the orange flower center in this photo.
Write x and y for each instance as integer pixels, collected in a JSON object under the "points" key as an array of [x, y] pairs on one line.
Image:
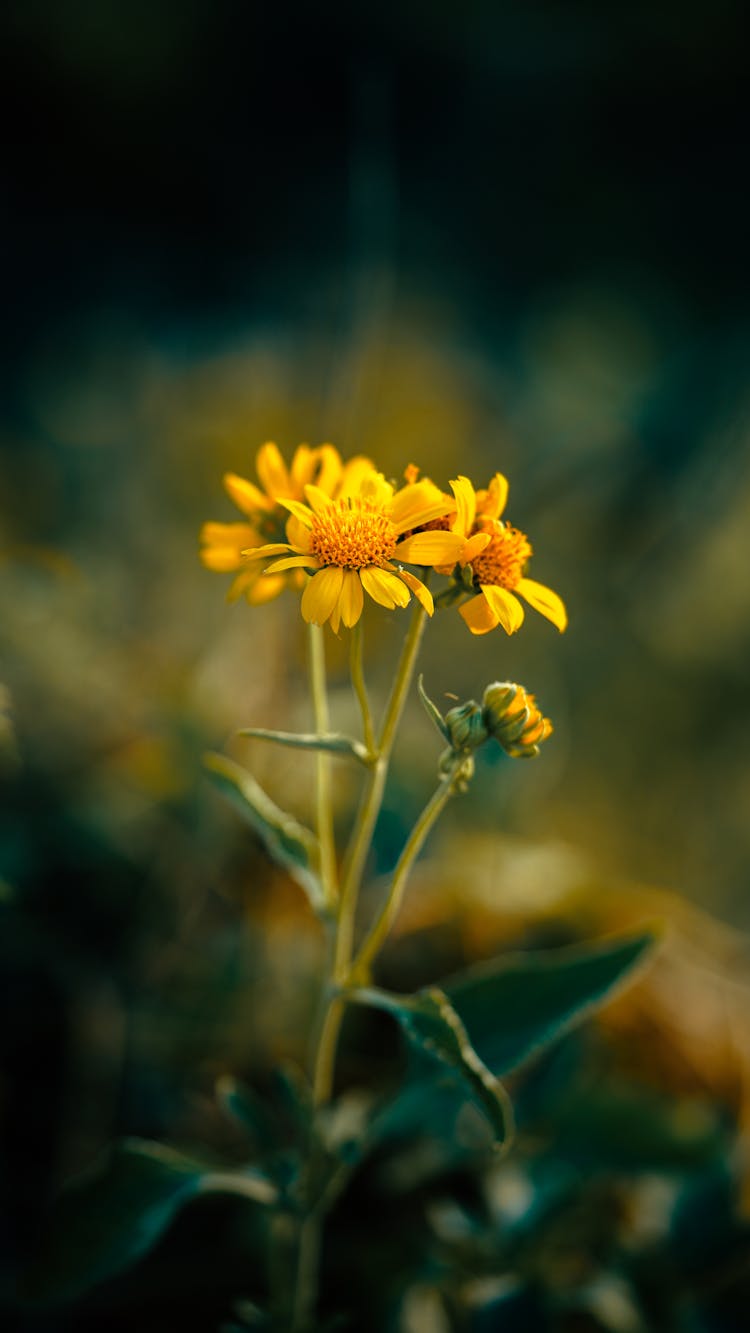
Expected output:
{"points": [[352, 533], [502, 562]]}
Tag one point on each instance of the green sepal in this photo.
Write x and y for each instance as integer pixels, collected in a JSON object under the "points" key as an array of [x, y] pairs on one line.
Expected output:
{"points": [[110, 1218], [332, 742], [432, 710], [432, 1025], [288, 842]]}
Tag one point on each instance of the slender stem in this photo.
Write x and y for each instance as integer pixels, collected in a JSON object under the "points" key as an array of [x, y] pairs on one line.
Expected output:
{"points": [[373, 794], [379, 930], [360, 689], [310, 1237], [324, 806]]}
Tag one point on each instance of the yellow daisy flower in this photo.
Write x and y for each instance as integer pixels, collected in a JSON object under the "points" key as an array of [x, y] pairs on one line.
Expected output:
{"points": [[223, 543], [497, 555], [354, 543]]}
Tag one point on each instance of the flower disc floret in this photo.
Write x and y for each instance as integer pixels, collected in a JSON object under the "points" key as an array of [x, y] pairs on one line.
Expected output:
{"points": [[504, 560], [353, 532]]}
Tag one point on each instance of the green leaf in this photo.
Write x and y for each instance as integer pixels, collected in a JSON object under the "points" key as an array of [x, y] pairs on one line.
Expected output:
{"points": [[332, 741], [248, 1110], [289, 843], [517, 1004], [432, 710], [432, 1025], [511, 1008], [105, 1221]]}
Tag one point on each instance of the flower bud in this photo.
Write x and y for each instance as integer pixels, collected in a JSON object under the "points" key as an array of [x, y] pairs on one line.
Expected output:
{"points": [[466, 726], [512, 717]]}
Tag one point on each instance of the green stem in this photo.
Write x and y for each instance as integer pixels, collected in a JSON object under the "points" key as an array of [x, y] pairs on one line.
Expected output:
{"points": [[380, 929], [329, 1024], [360, 689], [373, 794], [324, 806]]}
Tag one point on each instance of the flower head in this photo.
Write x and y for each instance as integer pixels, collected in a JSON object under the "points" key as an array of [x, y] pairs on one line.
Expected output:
{"points": [[224, 543], [511, 715], [354, 542], [495, 556]]}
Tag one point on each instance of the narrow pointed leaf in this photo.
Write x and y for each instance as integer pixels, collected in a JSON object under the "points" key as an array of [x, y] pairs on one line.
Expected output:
{"points": [[288, 842], [333, 742], [432, 710], [432, 1025]]}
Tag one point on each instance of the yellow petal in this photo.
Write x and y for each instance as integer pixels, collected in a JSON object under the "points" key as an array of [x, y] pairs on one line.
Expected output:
{"points": [[299, 510], [545, 601], [260, 552], [265, 589], [384, 588], [354, 473], [291, 562], [297, 534], [506, 608], [228, 534], [242, 583], [478, 615], [302, 468], [322, 594], [466, 506], [474, 545], [221, 558], [328, 468], [491, 503], [418, 503], [317, 499], [245, 495], [422, 594], [351, 599], [374, 487], [431, 548], [272, 471]]}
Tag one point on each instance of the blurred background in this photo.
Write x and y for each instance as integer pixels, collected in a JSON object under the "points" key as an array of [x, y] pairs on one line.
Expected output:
{"points": [[489, 236]]}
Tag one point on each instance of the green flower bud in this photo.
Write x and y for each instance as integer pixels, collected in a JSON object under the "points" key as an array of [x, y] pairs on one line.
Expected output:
{"points": [[466, 726]]}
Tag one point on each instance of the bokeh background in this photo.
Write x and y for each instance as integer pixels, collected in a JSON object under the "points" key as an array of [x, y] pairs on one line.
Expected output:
{"points": [[477, 237]]}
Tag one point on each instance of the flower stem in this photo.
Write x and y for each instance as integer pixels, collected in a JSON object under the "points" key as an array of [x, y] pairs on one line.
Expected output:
{"points": [[324, 807], [360, 689], [329, 1024], [380, 929], [373, 795]]}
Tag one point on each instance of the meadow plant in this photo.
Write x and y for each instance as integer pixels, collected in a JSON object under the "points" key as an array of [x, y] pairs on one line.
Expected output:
{"points": [[333, 532]]}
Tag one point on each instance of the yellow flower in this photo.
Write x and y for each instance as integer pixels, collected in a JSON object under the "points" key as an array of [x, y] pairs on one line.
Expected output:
{"points": [[223, 543], [511, 715], [353, 543], [497, 555]]}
